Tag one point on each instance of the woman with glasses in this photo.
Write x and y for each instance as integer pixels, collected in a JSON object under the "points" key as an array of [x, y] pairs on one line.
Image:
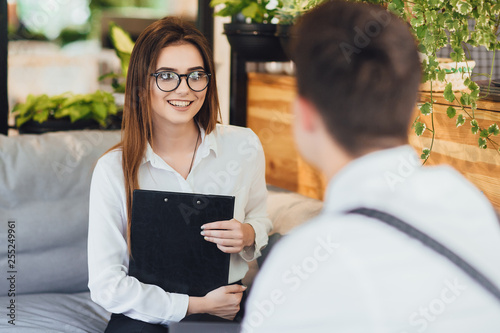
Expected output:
{"points": [[172, 141]]}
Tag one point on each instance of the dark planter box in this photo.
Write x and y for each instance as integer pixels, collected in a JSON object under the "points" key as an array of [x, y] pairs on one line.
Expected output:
{"points": [[53, 125], [255, 41]]}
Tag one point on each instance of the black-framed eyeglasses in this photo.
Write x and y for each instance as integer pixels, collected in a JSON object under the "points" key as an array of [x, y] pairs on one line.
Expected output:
{"points": [[169, 81]]}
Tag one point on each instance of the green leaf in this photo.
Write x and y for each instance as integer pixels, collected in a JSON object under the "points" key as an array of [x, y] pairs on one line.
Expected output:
{"points": [[463, 7], [442, 75], [417, 21], [41, 115], [425, 153], [120, 38], [112, 109], [99, 110], [252, 11], [426, 109], [123, 45], [448, 93], [493, 129], [419, 128], [460, 120], [109, 75], [465, 99], [422, 49], [20, 120], [214, 3], [484, 133], [482, 143], [451, 112], [475, 126]]}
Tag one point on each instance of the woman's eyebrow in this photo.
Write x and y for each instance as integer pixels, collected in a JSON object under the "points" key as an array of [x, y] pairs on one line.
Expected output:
{"points": [[174, 69], [196, 68]]}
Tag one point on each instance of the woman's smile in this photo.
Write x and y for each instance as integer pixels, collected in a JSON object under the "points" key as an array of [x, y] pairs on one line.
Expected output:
{"points": [[180, 103]]}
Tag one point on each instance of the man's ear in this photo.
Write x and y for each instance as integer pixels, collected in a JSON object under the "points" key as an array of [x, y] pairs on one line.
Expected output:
{"points": [[307, 113]]}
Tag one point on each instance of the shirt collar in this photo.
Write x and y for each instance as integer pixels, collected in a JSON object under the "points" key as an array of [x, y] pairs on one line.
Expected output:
{"points": [[208, 143], [371, 179]]}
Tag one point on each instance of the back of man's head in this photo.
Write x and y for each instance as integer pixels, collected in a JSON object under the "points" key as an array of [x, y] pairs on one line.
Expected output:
{"points": [[358, 65]]}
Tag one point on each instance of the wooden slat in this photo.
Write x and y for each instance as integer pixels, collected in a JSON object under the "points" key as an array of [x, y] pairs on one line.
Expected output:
{"points": [[482, 104]]}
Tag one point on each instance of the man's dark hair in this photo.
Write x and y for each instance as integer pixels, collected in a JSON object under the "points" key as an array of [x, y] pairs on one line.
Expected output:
{"points": [[359, 65]]}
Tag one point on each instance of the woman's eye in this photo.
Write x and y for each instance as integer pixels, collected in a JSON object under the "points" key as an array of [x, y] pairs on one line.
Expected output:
{"points": [[196, 76], [167, 76]]}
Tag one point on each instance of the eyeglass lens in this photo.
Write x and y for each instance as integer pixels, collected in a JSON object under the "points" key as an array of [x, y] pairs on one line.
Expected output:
{"points": [[168, 81]]}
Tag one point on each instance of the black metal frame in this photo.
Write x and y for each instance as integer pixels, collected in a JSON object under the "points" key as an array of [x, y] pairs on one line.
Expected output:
{"points": [[205, 21], [4, 102]]}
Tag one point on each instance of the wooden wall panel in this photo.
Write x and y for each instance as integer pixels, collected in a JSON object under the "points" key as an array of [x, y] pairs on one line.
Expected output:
{"points": [[458, 148], [269, 114]]}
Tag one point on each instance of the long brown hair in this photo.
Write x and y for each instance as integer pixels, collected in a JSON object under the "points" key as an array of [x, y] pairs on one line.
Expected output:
{"points": [[137, 114]]}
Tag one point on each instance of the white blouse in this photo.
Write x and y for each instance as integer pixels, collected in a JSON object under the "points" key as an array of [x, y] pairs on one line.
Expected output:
{"points": [[229, 161]]}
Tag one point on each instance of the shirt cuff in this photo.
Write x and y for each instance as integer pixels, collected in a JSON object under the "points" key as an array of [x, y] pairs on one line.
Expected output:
{"points": [[179, 309], [250, 253]]}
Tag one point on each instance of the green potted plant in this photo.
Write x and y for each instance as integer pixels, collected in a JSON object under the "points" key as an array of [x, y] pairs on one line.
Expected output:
{"points": [[252, 31], [67, 111], [287, 14], [123, 45]]}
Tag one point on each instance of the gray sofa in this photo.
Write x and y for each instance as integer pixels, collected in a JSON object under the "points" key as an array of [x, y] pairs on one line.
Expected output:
{"points": [[44, 186]]}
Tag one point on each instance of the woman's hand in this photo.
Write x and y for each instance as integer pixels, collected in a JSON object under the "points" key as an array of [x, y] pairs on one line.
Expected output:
{"points": [[230, 236], [223, 302]]}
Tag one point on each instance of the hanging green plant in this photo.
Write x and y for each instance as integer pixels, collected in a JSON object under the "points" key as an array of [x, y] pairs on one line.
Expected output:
{"points": [[460, 24]]}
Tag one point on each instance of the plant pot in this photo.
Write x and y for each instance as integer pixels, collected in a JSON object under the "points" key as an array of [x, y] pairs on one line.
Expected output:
{"points": [[255, 41], [283, 33], [455, 71], [53, 125]]}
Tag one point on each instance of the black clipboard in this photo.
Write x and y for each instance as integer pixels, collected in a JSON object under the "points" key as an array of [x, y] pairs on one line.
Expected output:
{"points": [[167, 248]]}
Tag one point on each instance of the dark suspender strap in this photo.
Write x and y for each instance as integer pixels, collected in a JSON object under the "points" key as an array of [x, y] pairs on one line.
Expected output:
{"points": [[433, 244]]}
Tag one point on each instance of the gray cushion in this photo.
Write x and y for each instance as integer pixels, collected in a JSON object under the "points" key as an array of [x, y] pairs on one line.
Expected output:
{"points": [[44, 187], [65, 313]]}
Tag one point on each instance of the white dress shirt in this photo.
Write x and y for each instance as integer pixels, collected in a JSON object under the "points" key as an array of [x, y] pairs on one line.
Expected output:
{"points": [[350, 273], [229, 161]]}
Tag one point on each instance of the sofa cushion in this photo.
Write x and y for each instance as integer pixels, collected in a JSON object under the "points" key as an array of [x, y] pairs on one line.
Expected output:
{"points": [[44, 188], [64, 313], [289, 209]]}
